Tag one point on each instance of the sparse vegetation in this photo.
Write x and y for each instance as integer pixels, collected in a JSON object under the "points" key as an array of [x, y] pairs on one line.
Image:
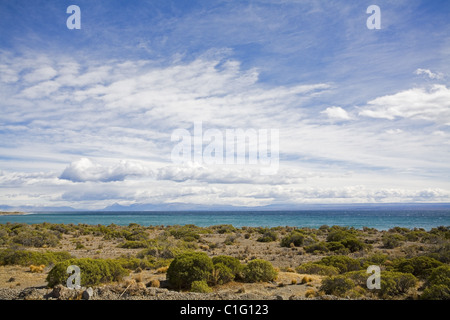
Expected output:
{"points": [[94, 271], [414, 262], [200, 286], [26, 258], [259, 270], [189, 267]]}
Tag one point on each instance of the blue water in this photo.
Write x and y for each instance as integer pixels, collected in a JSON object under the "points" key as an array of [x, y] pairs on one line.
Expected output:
{"points": [[381, 220]]}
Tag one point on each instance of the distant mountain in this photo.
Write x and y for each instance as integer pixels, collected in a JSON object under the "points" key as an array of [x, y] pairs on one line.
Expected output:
{"points": [[273, 207], [287, 207]]}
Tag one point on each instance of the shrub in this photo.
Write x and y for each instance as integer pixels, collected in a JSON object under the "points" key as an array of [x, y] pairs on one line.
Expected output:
{"points": [[337, 285], [441, 253], [440, 275], [259, 270], [133, 244], [314, 268], [134, 263], [268, 236], [335, 246], [200, 286], [374, 259], [395, 283], [392, 283], [353, 244], [189, 267], [438, 284], [36, 238], [436, 292], [225, 228], [222, 274], [79, 245], [231, 262], [154, 283], [229, 240], [316, 248], [306, 279], [295, 237], [342, 263], [419, 266], [391, 241], [26, 258], [310, 293], [93, 271], [187, 232]]}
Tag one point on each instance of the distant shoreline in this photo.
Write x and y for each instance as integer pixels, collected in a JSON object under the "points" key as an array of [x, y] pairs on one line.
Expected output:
{"points": [[11, 213]]}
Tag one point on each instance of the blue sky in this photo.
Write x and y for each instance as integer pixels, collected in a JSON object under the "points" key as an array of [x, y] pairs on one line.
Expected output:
{"points": [[87, 115]]}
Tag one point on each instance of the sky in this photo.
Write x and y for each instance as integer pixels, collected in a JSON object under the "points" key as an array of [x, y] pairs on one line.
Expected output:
{"points": [[88, 115]]}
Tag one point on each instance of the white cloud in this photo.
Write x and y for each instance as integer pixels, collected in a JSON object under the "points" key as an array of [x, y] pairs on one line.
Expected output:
{"points": [[85, 170], [40, 74], [231, 174], [336, 113], [431, 75], [418, 103], [102, 112]]}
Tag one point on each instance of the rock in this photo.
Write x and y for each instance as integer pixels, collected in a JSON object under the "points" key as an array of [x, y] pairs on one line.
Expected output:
{"points": [[12, 279], [61, 292], [88, 294]]}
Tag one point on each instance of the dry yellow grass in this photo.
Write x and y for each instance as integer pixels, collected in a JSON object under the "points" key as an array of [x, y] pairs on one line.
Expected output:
{"points": [[162, 270], [310, 293], [37, 269], [154, 283]]}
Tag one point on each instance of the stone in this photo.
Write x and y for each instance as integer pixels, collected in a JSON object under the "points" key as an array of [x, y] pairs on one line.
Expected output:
{"points": [[88, 294]]}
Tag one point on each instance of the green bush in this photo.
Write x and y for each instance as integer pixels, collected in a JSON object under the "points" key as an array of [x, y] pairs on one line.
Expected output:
{"points": [[200, 286], [231, 262], [268, 236], [353, 244], [395, 283], [224, 228], [93, 271], [374, 259], [314, 268], [26, 258], [337, 285], [317, 248], [335, 246], [295, 237], [346, 238], [134, 264], [436, 292], [338, 235], [392, 283], [342, 263], [187, 232], [36, 238], [440, 275], [189, 267], [222, 274], [438, 284], [133, 244], [441, 253], [259, 270], [419, 266], [391, 241]]}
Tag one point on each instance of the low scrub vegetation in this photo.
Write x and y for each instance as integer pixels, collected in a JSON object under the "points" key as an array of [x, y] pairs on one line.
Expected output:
{"points": [[93, 271], [26, 258]]}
